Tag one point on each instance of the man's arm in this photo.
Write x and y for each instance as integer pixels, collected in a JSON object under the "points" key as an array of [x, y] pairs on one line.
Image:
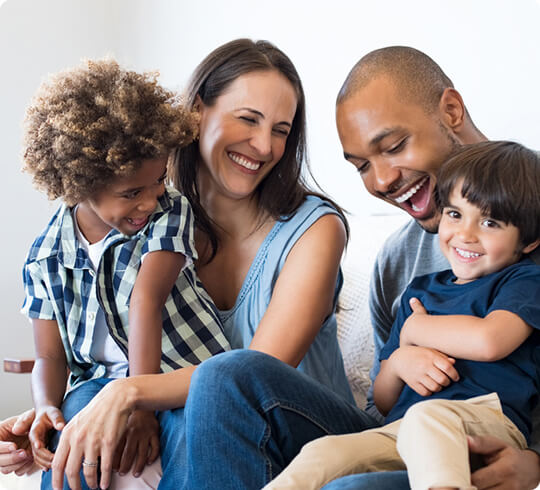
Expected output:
{"points": [[488, 339]]}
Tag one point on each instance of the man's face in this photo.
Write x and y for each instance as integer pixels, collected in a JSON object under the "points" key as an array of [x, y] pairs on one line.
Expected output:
{"points": [[397, 148]]}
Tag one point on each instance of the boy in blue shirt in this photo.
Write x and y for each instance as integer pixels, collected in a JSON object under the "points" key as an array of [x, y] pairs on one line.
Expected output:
{"points": [[116, 259], [463, 352]]}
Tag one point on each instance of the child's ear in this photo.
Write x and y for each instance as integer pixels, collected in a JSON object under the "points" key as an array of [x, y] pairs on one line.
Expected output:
{"points": [[529, 248]]}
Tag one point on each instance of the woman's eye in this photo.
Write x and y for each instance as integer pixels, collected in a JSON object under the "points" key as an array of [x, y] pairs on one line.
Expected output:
{"points": [[282, 132], [248, 119], [453, 214]]}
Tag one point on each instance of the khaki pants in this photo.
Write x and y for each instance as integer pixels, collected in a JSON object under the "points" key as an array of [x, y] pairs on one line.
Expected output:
{"points": [[429, 441]]}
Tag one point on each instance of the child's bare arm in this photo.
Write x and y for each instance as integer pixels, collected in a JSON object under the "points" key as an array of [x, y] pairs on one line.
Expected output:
{"points": [[464, 336], [424, 370], [49, 378], [155, 280]]}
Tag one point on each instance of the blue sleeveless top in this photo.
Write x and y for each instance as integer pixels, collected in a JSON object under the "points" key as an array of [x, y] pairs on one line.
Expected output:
{"points": [[323, 360]]}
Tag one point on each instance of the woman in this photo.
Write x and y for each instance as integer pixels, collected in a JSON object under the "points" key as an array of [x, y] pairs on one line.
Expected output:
{"points": [[269, 251]]}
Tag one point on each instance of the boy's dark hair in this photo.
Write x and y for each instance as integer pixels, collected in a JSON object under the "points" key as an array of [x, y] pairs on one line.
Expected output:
{"points": [[95, 122], [502, 178]]}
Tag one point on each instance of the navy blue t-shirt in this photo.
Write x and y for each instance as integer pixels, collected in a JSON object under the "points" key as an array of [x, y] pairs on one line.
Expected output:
{"points": [[515, 378]]}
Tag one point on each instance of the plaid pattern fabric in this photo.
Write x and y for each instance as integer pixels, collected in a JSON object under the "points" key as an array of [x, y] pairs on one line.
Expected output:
{"points": [[61, 285]]}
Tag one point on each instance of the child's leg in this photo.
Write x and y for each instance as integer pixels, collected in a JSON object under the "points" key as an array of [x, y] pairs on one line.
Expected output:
{"points": [[433, 444], [331, 457], [74, 402]]}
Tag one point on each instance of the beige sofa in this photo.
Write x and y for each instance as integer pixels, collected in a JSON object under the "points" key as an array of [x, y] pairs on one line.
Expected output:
{"points": [[354, 329]]}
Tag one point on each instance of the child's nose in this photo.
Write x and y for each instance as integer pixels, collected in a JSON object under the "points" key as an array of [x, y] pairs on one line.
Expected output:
{"points": [[467, 233]]}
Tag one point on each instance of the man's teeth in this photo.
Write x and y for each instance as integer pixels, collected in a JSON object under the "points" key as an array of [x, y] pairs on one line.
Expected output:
{"points": [[466, 254], [411, 192], [242, 161]]}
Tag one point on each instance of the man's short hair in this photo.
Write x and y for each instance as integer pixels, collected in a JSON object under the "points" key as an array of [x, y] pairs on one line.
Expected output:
{"points": [[415, 75]]}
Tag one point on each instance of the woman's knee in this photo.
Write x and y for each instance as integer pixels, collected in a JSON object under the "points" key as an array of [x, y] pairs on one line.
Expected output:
{"points": [[236, 367]]}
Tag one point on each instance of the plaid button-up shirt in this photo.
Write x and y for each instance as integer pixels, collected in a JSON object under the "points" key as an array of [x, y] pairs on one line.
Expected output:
{"points": [[60, 284]]}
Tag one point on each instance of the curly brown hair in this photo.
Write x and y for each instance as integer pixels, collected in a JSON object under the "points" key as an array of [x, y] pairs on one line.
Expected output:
{"points": [[95, 122]]}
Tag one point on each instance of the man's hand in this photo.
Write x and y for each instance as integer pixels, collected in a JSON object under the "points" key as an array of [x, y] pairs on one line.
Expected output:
{"points": [[15, 452], [140, 445], [424, 370], [47, 418], [507, 468]]}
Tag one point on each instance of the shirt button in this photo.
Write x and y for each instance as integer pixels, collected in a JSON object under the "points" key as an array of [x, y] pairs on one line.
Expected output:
{"points": [[91, 316], [92, 272]]}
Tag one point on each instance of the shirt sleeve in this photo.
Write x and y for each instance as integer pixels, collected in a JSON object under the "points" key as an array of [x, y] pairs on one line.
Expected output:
{"points": [[173, 230], [37, 303], [519, 294]]}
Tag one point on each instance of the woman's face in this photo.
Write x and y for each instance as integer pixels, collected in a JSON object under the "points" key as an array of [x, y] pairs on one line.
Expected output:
{"points": [[243, 135]]}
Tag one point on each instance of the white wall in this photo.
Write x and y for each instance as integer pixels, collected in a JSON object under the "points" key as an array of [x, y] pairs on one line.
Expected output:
{"points": [[488, 47]]}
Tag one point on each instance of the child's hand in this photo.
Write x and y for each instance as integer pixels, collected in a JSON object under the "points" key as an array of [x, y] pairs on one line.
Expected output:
{"points": [[47, 418], [407, 330], [424, 370], [140, 445]]}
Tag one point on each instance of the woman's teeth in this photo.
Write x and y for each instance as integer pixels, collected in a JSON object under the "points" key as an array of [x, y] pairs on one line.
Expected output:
{"points": [[411, 192], [244, 162]]}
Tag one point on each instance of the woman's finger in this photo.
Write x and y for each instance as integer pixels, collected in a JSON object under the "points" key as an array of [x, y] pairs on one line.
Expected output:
{"points": [[90, 464]]}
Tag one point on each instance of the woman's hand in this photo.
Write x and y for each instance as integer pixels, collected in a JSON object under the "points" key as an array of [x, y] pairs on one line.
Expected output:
{"points": [[15, 452], [91, 437]]}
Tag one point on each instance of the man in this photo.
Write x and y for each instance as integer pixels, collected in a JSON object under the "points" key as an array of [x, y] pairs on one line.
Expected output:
{"points": [[399, 117]]}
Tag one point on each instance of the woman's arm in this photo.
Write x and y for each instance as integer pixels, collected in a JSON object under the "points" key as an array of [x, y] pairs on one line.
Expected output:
{"points": [[488, 339], [304, 292]]}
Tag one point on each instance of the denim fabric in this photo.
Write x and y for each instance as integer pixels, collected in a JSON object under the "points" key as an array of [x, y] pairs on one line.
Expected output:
{"points": [[395, 480], [172, 441], [248, 415], [74, 402]]}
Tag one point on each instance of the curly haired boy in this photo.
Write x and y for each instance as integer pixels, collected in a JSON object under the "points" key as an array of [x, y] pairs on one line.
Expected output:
{"points": [[116, 260]]}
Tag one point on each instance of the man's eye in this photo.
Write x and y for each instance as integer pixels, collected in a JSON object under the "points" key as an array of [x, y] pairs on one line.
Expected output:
{"points": [[130, 195], [397, 148], [362, 168], [453, 214]]}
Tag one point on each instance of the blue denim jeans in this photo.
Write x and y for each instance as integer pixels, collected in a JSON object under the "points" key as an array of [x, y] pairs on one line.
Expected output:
{"points": [[248, 415], [74, 402], [394, 480]]}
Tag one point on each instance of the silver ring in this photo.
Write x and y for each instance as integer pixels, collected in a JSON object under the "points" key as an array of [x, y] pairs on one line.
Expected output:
{"points": [[89, 464]]}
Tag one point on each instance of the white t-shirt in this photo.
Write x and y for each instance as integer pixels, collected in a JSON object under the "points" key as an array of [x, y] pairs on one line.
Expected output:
{"points": [[104, 349]]}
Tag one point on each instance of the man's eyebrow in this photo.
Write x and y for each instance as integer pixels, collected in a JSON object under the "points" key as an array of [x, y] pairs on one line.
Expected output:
{"points": [[376, 140], [384, 133], [260, 114]]}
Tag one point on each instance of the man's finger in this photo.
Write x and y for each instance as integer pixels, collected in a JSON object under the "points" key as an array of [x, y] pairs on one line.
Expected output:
{"points": [[485, 444]]}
